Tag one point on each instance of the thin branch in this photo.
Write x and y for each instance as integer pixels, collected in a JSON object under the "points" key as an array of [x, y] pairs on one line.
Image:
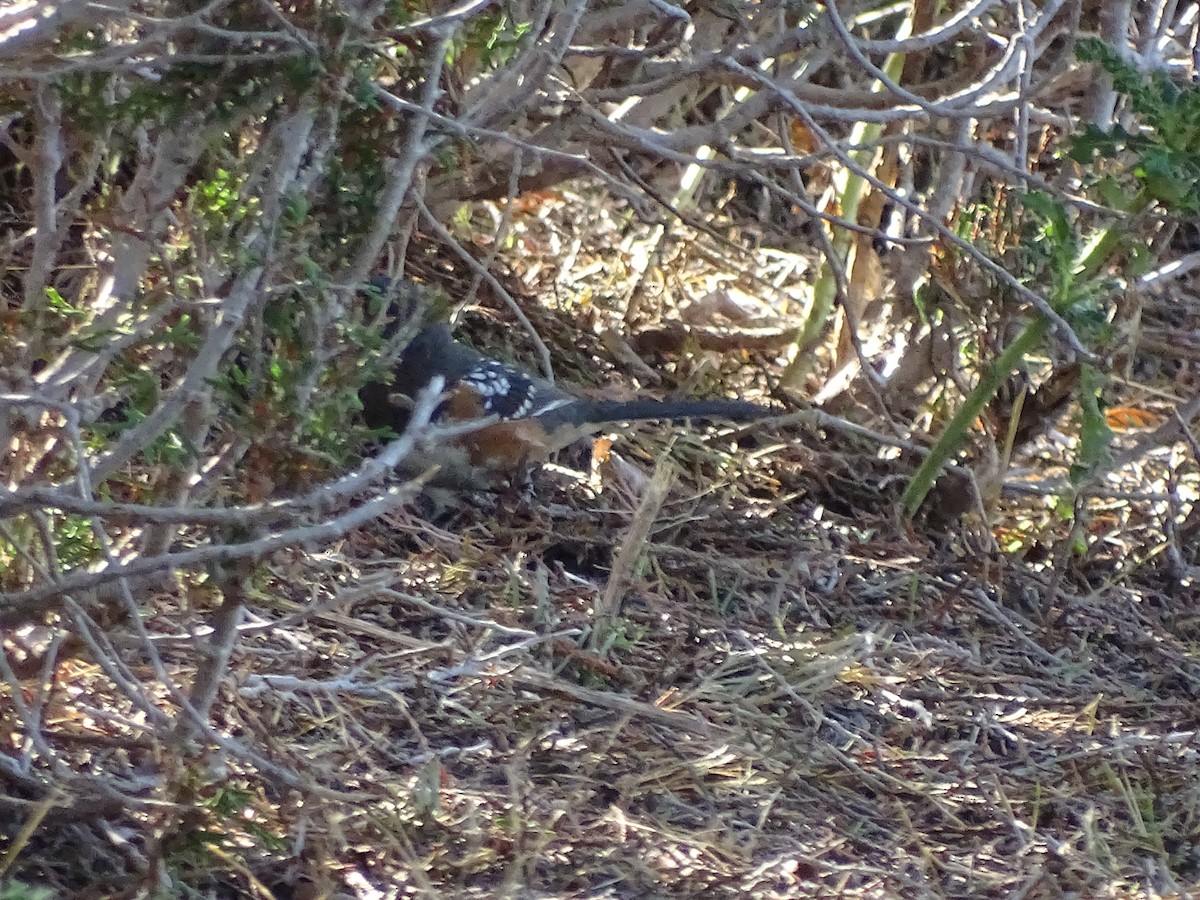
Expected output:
{"points": [[402, 170]]}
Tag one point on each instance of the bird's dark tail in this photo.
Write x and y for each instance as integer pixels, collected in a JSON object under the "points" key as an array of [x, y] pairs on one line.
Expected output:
{"points": [[599, 412]]}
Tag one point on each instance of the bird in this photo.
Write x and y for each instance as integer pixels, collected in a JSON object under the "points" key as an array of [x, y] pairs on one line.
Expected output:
{"points": [[528, 417]]}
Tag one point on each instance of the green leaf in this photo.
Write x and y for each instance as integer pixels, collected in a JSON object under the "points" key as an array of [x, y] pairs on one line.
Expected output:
{"points": [[1113, 194], [1083, 147], [1095, 436], [1165, 182]]}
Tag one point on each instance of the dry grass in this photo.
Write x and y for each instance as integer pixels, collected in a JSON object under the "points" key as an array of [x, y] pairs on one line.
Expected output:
{"points": [[787, 706], [792, 698], [788, 695]]}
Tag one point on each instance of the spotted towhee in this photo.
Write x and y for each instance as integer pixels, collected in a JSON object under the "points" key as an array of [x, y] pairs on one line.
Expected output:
{"points": [[533, 418]]}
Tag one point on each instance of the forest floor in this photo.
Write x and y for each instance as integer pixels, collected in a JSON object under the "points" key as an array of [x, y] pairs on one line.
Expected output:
{"points": [[781, 691]]}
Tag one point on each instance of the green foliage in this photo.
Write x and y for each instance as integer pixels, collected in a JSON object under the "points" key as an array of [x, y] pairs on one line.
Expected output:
{"points": [[1160, 160], [96, 106], [141, 391], [357, 174], [8, 555], [1053, 255], [219, 199], [141, 385], [18, 890], [1053, 246], [74, 541], [199, 852], [1095, 436], [397, 12], [1049, 256], [362, 88], [181, 334], [495, 37], [75, 545], [61, 306], [265, 389], [618, 634], [229, 805], [1155, 165]]}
